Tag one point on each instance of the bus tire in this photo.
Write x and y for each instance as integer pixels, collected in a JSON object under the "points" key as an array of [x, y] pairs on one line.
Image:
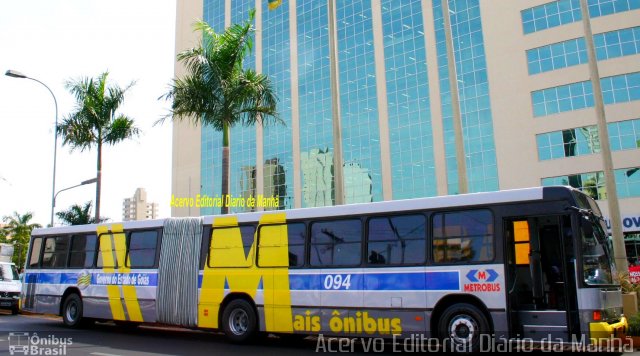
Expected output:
{"points": [[72, 311], [15, 310], [460, 327], [239, 321]]}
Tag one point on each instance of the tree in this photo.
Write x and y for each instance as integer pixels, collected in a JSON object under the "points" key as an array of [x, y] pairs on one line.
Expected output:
{"points": [[217, 91], [78, 215], [19, 228], [95, 120]]}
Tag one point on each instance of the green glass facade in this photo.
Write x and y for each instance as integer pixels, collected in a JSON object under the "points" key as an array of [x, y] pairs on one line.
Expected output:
{"points": [[408, 111]]}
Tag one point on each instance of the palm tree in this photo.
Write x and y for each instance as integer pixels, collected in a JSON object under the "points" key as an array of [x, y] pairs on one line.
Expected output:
{"points": [[95, 120], [19, 228], [218, 91], [78, 215]]}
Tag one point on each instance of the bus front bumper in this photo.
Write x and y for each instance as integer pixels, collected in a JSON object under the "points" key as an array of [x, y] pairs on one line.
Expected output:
{"points": [[605, 330]]}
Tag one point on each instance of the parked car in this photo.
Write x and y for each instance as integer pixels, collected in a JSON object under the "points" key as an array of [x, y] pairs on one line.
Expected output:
{"points": [[10, 287]]}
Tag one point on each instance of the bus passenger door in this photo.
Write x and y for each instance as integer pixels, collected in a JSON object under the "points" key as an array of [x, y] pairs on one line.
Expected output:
{"points": [[537, 283]]}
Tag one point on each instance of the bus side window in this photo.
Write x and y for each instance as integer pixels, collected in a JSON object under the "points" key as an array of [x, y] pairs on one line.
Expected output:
{"points": [[274, 239], [56, 250], [336, 243], [463, 236], [142, 249], [231, 246], [106, 252], [34, 258], [396, 240], [83, 251]]}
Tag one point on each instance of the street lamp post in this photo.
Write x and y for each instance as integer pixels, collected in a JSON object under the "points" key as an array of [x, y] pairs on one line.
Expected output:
{"points": [[88, 181], [16, 74]]}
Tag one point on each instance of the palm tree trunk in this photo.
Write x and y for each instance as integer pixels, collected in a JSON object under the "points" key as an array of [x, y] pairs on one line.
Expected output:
{"points": [[224, 209], [98, 181]]}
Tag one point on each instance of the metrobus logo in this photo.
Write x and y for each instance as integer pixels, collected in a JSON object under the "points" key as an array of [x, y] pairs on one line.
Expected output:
{"points": [[482, 281], [487, 275]]}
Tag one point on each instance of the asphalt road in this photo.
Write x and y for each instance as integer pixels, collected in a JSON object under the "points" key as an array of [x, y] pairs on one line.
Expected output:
{"points": [[49, 336], [46, 335]]}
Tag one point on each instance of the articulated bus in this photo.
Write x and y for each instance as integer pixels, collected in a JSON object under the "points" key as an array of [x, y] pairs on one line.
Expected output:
{"points": [[529, 263]]}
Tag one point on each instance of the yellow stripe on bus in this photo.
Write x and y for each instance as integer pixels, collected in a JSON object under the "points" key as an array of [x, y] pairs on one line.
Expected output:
{"points": [[113, 292], [277, 294], [227, 262], [129, 292]]}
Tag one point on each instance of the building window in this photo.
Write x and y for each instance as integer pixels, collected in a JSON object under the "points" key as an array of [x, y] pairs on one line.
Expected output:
{"points": [[558, 55], [621, 88], [616, 89], [563, 12], [563, 98], [473, 90], [568, 143], [463, 236], [624, 135], [628, 182], [599, 8], [619, 43], [592, 183], [550, 15]]}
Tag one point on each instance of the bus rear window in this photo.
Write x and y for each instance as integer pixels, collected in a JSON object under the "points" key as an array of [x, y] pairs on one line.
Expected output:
{"points": [[34, 259]]}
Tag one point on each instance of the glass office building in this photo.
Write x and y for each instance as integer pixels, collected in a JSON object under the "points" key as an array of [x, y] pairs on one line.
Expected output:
{"points": [[519, 69]]}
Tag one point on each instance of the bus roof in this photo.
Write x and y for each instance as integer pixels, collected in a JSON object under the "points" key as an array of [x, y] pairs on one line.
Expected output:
{"points": [[449, 201]]}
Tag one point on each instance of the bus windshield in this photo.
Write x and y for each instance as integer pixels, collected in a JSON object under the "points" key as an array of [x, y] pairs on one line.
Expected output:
{"points": [[597, 259]]}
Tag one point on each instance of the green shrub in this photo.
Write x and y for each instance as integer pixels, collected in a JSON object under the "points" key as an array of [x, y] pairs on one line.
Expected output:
{"points": [[634, 325]]}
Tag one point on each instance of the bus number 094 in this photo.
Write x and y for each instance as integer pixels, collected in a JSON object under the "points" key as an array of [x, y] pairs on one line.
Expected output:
{"points": [[337, 281]]}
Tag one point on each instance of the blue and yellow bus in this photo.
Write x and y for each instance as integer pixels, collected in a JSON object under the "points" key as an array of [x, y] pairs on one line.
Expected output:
{"points": [[529, 263]]}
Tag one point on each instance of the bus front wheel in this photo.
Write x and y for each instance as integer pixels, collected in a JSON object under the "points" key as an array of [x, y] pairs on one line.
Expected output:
{"points": [[461, 326], [239, 321], [72, 311]]}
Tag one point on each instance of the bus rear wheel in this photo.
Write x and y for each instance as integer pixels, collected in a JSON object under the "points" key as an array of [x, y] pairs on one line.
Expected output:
{"points": [[72, 311], [239, 321], [461, 326]]}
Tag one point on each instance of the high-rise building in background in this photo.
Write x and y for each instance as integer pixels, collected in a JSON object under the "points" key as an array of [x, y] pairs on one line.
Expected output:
{"points": [[138, 208], [525, 98]]}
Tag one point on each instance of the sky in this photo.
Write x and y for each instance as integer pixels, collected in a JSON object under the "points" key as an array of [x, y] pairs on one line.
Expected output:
{"points": [[55, 41]]}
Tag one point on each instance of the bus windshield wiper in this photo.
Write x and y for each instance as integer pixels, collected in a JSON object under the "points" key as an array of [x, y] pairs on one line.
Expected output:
{"points": [[586, 212]]}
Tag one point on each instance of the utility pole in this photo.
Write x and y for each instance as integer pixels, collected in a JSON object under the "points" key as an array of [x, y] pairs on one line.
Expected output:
{"points": [[455, 102], [619, 252]]}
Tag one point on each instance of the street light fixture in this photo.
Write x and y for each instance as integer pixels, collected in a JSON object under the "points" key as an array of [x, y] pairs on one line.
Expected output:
{"points": [[88, 181], [15, 74]]}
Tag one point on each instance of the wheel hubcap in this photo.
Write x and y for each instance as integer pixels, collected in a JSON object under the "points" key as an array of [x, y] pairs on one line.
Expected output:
{"points": [[238, 322], [72, 312], [462, 329]]}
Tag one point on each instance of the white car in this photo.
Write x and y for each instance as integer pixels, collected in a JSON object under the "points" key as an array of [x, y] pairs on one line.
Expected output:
{"points": [[10, 287]]}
